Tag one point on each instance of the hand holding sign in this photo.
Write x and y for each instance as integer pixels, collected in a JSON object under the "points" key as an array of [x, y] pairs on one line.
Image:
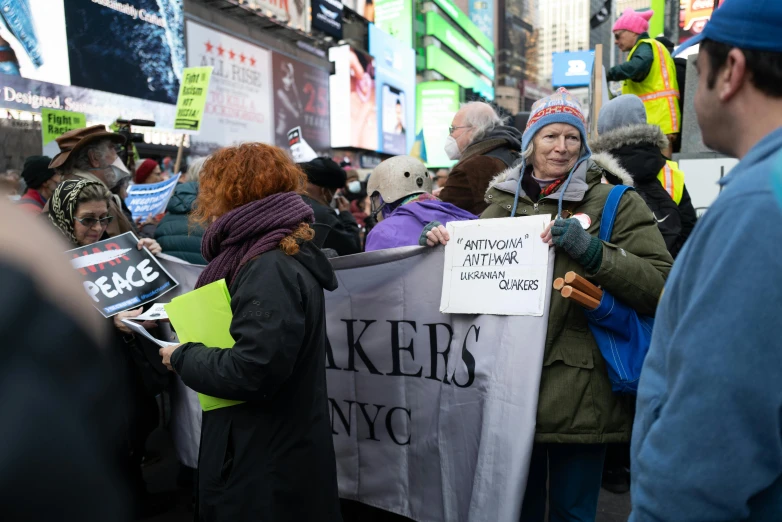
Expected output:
{"points": [[496, 266], [120, 273]]}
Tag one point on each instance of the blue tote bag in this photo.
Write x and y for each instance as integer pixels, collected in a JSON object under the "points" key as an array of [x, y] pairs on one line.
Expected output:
{"points": [[622, 335]]}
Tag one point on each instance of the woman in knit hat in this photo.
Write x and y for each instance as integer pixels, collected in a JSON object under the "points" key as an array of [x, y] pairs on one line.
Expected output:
{"points": [[41, 182], [577, 411], [649, 73], [148, 172], [272, 456]]}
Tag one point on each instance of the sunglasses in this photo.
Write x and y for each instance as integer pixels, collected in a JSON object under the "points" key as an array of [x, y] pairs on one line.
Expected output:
{"points": [[618, 35], [90, 222]]}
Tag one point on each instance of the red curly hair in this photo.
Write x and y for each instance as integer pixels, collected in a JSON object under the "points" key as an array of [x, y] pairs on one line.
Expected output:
{"points": [[235, 176]]}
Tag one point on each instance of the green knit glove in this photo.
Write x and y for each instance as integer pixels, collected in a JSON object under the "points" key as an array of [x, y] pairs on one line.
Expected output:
{"points": [[570, 236], [428, 228]]}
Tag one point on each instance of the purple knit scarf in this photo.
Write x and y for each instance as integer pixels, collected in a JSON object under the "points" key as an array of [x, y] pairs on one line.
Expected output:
{"points": [[249, 231]]}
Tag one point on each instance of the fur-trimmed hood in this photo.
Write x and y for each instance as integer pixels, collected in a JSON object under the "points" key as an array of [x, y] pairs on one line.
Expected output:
{"points": [[632, 135], [636, 148], [507, 180]]}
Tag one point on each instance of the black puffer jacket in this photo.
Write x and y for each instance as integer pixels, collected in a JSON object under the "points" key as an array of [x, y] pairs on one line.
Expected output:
{"points": [[636, 149], [272, 457], [174, 233]]}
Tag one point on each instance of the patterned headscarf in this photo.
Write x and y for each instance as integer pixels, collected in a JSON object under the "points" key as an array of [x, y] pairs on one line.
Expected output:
{"points": [[62, 207]]}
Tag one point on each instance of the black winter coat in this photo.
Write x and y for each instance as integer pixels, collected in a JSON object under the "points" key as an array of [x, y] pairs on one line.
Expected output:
{"points": [[271, 458], [174, 233], [342, 233], [636, 150]]}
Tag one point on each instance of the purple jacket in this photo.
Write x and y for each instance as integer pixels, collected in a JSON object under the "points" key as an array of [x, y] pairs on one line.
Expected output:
{"points": [[405, 224]]}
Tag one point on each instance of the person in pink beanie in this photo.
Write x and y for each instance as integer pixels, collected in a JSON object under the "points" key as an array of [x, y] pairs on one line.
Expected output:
{"points": [[648, 73]]}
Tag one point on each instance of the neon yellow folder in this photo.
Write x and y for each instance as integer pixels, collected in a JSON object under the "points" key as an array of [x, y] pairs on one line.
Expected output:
{"points": [[204, 316]]}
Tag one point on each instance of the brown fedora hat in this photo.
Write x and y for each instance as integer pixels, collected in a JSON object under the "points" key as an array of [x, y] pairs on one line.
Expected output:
{"points": [[73, 141]]}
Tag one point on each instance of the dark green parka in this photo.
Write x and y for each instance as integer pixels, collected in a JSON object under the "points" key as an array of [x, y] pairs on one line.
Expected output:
{"points": [[576, 404], [174, 233]]}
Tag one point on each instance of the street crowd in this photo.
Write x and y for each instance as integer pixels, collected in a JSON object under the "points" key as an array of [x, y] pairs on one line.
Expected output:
{"points": [[701, 440]]}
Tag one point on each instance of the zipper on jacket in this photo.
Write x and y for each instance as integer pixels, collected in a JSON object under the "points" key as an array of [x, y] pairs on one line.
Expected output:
{"points": [[535, 206]]}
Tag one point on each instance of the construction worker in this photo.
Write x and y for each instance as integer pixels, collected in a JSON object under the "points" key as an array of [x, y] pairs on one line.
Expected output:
{"points": [[649, 73]]}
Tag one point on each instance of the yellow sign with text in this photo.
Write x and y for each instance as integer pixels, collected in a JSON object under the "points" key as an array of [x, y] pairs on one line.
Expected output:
{"points": [[192, 98]]}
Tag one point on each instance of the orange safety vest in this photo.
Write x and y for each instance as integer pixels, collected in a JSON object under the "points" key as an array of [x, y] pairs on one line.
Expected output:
{"points": [[659, 90]]}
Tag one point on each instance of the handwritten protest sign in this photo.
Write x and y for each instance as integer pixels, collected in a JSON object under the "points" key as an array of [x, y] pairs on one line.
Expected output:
{"points": [[150, 200], [118, 276], [192, 98], [55, 123], [300, 149], [496, 266]]}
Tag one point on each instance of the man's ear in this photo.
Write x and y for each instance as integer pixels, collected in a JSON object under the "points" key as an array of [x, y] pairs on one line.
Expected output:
{"points": [[733, 75], [94, 158]]}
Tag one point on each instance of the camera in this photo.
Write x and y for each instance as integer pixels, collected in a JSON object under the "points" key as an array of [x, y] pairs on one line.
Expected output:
{"points": [[126, 151]]}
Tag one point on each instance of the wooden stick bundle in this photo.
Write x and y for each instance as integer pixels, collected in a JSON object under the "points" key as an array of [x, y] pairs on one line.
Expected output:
{"points": [[575, 287]]}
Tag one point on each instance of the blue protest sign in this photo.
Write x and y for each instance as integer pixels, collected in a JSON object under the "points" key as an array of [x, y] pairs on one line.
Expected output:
{"points": [[150, 200]]}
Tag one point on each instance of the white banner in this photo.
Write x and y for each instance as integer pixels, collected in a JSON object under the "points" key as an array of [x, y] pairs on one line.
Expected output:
{"points": [[240, 92], [433, 415]]}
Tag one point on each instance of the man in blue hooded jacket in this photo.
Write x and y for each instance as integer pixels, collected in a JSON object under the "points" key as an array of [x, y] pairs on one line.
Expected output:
{"points": [[400, 191], [707, 441]]}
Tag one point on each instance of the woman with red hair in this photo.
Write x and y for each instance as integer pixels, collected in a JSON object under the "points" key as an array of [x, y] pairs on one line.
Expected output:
{"points": [[270, 457]]}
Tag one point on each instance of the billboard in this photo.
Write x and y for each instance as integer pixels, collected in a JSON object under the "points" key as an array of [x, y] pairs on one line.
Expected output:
{"points": [[395, 17], [693, 15], [364, 8], [294, 13], [69, 56], [464, 22], [482, 15], [238, 104], [572, 69], [327, 17], [436, 105], [135, 48], [394, 91], [464, 48], [353, 99], [301, 98], [442, 62]]}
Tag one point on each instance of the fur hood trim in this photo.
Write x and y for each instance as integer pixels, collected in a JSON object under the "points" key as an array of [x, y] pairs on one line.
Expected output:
{"points": [[611, 165], [632, 135]]}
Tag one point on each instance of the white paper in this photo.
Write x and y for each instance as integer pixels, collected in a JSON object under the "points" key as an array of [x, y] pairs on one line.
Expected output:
{"points": [[140, 330], [496, 266], [156, 312]]}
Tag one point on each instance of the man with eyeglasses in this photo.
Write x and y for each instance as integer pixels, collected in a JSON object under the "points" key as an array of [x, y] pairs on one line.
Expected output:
{"points": [[648, 73], [90, 154], [484, 146]]}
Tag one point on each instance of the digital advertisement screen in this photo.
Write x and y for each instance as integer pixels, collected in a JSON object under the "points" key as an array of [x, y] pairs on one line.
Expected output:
{"points": [[327, 17], [693, 15], [301, 98], [135, 47], [394, 127], [41, 69], [395, 86], [295, 13], [363, 8], [438, 27], [395, 18], [436, 105], [353, 96]]}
